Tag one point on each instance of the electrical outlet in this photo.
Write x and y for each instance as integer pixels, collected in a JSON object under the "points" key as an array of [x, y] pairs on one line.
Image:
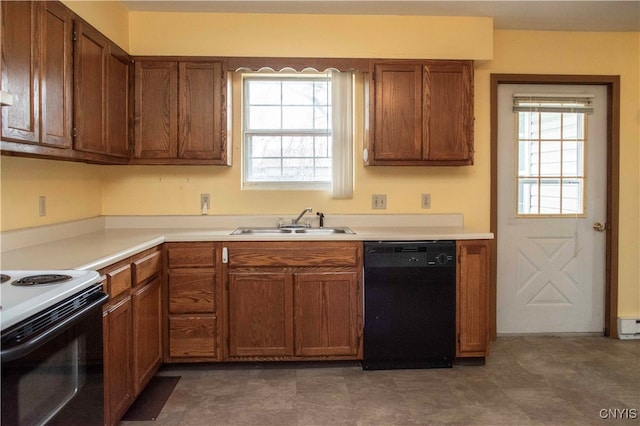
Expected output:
{"points": [[42, 205], [379, 201], [205, 202], [426, 201]]}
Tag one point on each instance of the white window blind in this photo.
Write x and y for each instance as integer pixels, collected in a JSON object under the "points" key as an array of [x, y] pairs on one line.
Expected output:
{"points": [[553, 103]]}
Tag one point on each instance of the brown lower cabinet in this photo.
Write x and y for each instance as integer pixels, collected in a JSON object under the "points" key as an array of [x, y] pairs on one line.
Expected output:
{"points": [[132, 330], [192, 294], [294, 300], [472, 310]]}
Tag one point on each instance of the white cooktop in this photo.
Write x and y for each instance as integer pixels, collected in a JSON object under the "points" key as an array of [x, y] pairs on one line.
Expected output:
{"points": [[18, 303]]}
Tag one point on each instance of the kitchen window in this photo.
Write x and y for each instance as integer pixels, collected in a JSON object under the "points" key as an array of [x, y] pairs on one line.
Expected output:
{"points": [[551, 144], [289, 140]]}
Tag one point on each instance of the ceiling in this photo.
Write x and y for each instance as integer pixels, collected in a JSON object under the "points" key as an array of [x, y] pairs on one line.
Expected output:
{"points": [[567, 15]]}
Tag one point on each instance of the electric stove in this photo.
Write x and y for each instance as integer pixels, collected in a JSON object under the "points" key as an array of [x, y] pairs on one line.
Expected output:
{"points": [[24, 294]]}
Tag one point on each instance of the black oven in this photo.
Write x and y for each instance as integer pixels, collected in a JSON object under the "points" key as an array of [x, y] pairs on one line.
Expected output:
{"points": [[52, 364]]}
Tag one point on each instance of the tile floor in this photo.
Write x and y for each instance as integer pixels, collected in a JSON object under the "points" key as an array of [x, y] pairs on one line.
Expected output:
{"points": [[526, 381]]}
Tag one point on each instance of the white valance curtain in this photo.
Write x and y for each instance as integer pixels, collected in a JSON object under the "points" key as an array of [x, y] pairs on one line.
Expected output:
{"points": [[342, 134]]}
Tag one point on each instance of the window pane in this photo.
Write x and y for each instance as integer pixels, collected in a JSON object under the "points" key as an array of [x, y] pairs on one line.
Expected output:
{"points": [[321, 117], [322, 147], [265, 146], [527, 196], [297, 146], [550, 159], [264, 92], [572, 190], [261, 117], [297, 117], [297, 169], [549, 125], [323, 169], [264, 169], [297, 93], [549, 196], [572, 161], [528, 162], [528, 125]]}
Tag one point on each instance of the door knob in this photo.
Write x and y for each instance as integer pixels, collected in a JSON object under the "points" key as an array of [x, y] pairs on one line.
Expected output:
{"points": [[599, 227]]}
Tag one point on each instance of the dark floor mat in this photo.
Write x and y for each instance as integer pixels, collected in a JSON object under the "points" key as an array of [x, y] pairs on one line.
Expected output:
{"points": [[150, 402]]}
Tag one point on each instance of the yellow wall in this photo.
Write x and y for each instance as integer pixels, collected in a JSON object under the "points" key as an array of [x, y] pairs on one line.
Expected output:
{"points": [[162, 33], [111, 18], [175, 190], [73, 191]]}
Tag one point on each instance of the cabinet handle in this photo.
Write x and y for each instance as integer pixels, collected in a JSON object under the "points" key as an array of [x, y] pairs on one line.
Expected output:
{"points": [[225, 255]]}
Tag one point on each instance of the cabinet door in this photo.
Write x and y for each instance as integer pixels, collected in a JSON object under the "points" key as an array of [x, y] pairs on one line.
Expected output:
{"points": [[37, 71], [398, 112], [327, 310], [118, 352], [91, 51], [156, 109], [200, 111], [147, 352], [56, 88], [118, 106], [21, 70], [448, 111], [473, 298], [260, 314]]}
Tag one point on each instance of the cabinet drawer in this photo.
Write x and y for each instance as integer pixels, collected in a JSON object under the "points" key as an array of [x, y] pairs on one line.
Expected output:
{"points": [[191, 255], [118, 279], [192, 336], [191, 292], [146, 266], [294, 254]]}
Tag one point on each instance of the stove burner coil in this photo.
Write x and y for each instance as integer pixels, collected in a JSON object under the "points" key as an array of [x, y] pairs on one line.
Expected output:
{"points": [[4, 278], [41, 279]]}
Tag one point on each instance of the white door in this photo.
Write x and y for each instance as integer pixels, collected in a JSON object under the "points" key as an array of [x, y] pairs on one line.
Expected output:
{"points": [[551, 276]]}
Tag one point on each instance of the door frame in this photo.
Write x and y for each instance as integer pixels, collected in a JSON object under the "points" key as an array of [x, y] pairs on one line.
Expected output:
{"points": [[612, 83]]}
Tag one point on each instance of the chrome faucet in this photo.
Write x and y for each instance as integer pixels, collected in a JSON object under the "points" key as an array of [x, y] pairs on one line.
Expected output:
{"points": [[297, 219]]}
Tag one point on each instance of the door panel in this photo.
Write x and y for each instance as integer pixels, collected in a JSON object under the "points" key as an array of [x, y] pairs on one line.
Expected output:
{"points": [[550, 275]]}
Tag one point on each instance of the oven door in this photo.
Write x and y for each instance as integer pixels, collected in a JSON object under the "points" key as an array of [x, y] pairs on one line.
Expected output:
{"points": [[56, 376]]}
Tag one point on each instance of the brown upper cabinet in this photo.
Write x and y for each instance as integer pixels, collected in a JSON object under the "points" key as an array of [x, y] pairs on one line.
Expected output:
{"points": [[181, 112], [101, 94], [70, 86], [421, 113], [37, 70]]}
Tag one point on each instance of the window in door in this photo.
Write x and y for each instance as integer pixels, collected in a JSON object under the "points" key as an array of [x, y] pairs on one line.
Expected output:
{"points": [[551, 136]]}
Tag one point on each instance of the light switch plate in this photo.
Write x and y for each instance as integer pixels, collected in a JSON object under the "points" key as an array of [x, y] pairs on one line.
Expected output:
{"points": [[379, 201], [425, 201]]}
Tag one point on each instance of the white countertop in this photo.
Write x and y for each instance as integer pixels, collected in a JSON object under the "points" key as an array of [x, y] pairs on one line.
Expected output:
{"points": [[105, 242]]}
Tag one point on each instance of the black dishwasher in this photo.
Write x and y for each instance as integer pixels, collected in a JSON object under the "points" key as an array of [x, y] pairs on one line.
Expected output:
{"points": [[409, 304]]}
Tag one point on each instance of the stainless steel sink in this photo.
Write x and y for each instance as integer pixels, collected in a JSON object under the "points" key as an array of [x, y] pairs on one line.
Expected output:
{"points": [[291, 231]]}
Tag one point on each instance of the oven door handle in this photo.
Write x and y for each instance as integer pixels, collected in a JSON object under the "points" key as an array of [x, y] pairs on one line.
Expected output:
{"points": [[15, 352]]}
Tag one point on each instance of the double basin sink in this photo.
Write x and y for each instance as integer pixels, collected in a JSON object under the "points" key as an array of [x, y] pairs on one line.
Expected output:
{"points": [[285, 230]]}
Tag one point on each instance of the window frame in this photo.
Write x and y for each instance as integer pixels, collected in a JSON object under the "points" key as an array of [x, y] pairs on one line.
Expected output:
{"points": [[541, 176], [246, 184]]}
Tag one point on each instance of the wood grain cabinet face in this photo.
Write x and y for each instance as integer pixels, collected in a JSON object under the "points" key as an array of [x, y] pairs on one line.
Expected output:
{"points": [[147, 333], [101, 94], [260, 314], [192, 296], [294, 301], [422, 113], [181, 112], [37, 64], [118, 356], [326, 313], [473, 298], [132, 321]]}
